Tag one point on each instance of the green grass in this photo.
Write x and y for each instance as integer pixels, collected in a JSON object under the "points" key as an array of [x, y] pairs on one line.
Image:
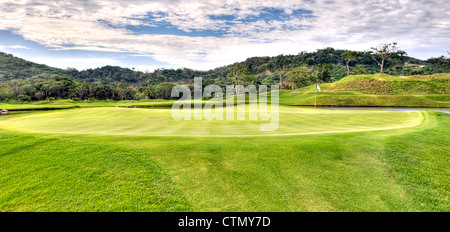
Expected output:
{"points": [[124, 121], [69, 104], [375, 90], [43, 173], [392, 161], [349, 100]]}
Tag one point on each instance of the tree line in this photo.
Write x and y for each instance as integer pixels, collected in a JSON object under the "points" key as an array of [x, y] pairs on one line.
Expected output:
{"points": [[21, 80]]}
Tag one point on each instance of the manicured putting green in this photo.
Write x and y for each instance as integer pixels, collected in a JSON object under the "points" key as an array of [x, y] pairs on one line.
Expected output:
{"points": [[159, 122]]}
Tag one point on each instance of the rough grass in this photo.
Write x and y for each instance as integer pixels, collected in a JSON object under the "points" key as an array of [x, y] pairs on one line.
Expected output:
{"points": [[420, 161], [376, 90], [45, 173], [394, 85]]}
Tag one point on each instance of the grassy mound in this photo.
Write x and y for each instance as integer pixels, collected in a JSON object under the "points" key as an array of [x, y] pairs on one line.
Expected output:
{"points": [[376, 90], [393, 85]]}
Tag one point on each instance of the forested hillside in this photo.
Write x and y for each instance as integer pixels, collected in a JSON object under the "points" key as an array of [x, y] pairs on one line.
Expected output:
{"points": [[21, 80]]}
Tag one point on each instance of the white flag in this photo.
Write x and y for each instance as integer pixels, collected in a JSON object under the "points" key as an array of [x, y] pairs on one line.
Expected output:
{"points": [[318, 87]]}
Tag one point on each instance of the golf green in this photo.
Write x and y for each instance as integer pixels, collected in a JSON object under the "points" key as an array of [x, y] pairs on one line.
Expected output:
{"points": [[159, 122]]}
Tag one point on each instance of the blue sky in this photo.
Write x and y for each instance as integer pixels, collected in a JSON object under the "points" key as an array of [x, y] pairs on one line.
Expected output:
{"points": [[202, 34]]}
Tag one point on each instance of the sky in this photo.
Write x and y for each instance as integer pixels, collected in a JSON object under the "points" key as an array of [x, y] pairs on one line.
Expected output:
{"points": [[198, 34]]}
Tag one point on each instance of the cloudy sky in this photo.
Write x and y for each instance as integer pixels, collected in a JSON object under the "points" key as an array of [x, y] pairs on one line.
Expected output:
{"points": [[204, 34]]}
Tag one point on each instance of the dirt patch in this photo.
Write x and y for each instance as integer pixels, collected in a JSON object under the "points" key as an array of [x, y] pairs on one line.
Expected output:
{"points": [[11, 119]]}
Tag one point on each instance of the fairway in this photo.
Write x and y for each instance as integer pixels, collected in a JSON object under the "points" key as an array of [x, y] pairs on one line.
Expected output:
{"points": [[159, 122]]}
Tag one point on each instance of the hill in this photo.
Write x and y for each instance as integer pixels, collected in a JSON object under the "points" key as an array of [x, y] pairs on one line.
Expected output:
{"points": [[12, 67], [376, 90], [22, 81]]}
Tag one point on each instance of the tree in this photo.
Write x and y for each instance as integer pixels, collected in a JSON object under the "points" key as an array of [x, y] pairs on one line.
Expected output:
{"points": [[6, 92], [164, 90], [282, 73], [299, 77], [123, 90], [39, 95], [138, 96], [239, 74], [81, 89], [359, 69], [348, 57], [322, 72], [338, 72], [384, 52]]}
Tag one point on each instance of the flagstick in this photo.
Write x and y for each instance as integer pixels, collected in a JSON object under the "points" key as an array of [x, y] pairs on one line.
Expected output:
{"points": [[315, 100]]}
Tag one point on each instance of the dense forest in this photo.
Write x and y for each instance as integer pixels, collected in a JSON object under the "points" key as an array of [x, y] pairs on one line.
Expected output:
{"points": [[21, 80]]}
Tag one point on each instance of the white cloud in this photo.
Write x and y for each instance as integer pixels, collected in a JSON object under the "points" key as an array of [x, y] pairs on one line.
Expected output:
{"points": [[16, 47], [351, 24], [12, 49]]}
